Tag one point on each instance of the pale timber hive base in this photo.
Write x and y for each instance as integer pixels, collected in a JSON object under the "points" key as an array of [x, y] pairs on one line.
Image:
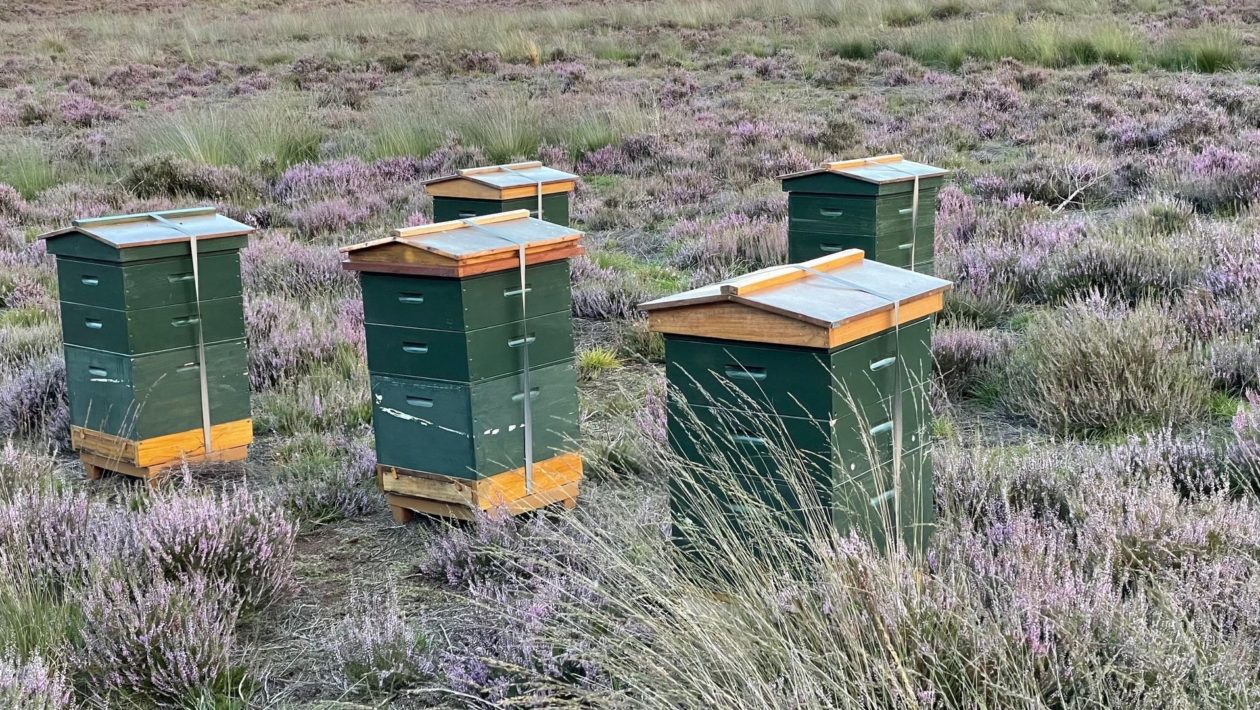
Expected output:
{"points": [[556, 480], [152, 459]]}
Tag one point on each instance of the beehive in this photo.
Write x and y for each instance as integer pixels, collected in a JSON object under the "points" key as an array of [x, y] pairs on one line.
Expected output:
{"points": [[448, 339], [885, 206], [502, 188], [800, 368], [134, 329]]}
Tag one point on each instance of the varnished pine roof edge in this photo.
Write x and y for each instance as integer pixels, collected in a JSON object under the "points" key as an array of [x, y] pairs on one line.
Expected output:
{"points": [[83, 226]]}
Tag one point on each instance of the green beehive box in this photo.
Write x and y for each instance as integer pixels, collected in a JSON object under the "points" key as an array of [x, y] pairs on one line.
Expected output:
{"points": [[152, 395], [448, 338], [132, 323], [885, 206], [472, 303], [502, 188], [793, 376], [469, 355], [472, 430]]}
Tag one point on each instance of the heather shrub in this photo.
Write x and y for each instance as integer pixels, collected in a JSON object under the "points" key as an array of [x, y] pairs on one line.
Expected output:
{"points": [[964, 359], [51, 536], [1217, 180], [229, 538], [326, 399], [33, 685], [275, 265], [615, 288], [33, 403], [376, 646], [325, 478], [730, 245], [289, 338], [1245, 451], [169, 640], [1092, 367], [1126, 264], [1193, 465], [1235, 364], [164, 174]]}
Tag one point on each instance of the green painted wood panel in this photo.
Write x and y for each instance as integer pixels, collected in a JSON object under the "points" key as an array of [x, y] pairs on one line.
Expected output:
{"points": [[555, 207], [148, 284], [473, 430], [149, 330], [881, 227], [139, 397], [798, 382], [705, 502], [871, 505], [81, 246], [833, 184], [464, 304], [471, 355]]}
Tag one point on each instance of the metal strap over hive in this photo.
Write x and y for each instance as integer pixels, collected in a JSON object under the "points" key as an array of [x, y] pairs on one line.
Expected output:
{"points": [[898, 427], [525, 341], [201, 336]]}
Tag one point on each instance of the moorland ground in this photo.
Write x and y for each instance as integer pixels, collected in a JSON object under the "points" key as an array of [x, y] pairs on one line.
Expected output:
{"points": [[1096, 434]]}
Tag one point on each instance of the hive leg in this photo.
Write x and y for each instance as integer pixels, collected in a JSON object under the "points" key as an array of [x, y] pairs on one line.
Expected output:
{"points": [[94, 472], [402, 515]]}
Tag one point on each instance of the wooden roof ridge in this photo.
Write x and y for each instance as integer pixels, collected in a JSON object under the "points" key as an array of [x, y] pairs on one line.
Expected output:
{"points": [[799, 304], [474, 174], [854, 168], [465, 247], [99, 228], [413, 236]]}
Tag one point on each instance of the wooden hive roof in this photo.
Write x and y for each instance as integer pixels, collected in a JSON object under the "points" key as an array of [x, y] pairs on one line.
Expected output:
{"points": [[149, 228], [143, 235], [502, 182], [879, 170], [789, 305], [465, 247]]}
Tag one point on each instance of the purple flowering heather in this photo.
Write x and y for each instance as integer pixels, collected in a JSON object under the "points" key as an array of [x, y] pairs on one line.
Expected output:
{"points": [[964, 358], [377, 646], [734, 243], [274, 264], [33, 402], [33, 685], [165, 638], [232, 537]]}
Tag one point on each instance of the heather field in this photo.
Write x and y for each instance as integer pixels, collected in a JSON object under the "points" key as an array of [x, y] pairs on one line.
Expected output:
{"points": [[1096, 389]]}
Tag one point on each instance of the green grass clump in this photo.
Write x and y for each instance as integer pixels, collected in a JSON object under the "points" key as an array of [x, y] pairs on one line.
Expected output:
{"points": [[1210, 51], [1092, 369], [27, 166], [268, 135], [505, 126], [596, 360]]}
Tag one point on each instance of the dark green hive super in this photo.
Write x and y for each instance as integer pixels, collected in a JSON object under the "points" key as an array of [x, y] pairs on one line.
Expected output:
{"points": [[502, 188], [448, 338], [885, 206], [131, 321], [788, 388]]}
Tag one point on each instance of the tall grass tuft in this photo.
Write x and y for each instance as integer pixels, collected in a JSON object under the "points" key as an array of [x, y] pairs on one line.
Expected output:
{"points": [[504, 126], [1094, 367], [28, 167], [1212, 50], [272, 135]]}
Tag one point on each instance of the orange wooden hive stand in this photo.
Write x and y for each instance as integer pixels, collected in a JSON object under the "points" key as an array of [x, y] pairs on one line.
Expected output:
{"points": [[556, 480], [152, 459]]}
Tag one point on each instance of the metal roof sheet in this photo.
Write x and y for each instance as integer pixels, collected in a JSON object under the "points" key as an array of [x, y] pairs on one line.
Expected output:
{"points": [[878, 170], [149, 228], [477, 236], [870, 287], [509, 175]]}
